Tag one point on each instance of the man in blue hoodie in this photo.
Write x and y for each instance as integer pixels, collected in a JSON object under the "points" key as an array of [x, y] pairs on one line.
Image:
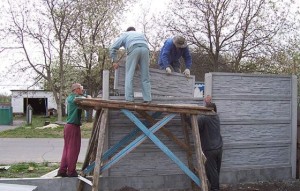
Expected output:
{"points": [[171, 52], [137, 50]]}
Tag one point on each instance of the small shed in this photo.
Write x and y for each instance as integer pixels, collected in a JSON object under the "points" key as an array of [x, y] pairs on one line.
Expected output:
{"points": [[40, 100]]}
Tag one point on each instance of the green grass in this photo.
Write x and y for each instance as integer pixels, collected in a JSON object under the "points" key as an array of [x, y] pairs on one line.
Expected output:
{"points": [[28, 170], [31, 131], [31, 170]]}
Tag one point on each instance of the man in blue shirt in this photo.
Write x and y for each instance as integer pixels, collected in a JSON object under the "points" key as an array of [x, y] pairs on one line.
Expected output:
{"points": [[137, 50], [171, 52]]}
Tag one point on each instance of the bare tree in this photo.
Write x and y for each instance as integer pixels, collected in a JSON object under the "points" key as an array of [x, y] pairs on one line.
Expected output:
{"points": [[63, 16], [232, 28], [95, 28], [43, 33], [151, 23]]}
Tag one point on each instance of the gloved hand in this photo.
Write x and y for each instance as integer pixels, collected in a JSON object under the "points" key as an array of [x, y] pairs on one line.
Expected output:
{"points": [[115, 65], [168, 70], [187, 72]]}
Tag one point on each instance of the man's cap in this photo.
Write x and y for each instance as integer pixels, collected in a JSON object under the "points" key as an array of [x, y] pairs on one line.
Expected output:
{"points": [[179, 42], [75, 86]]}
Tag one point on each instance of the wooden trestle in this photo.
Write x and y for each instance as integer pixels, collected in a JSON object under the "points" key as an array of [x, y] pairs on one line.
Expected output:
{"points": [[98, 161]]}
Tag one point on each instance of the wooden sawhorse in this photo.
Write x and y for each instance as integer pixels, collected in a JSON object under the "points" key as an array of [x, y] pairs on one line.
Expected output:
{"points": [[97, 162]]}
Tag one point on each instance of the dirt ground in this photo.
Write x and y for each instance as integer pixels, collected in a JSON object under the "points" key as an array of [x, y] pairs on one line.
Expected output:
{"points": [[292, 185]]}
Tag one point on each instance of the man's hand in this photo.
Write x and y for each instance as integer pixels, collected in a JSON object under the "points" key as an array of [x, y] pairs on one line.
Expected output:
{"points": [[115, 65], [187, 72], [168, 70]]}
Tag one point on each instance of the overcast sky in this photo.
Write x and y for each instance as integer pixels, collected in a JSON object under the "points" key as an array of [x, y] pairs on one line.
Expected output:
{"points": [[12, 79]]}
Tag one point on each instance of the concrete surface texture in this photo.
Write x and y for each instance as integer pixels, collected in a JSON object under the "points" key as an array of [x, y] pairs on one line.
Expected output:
{"points": [[16, 123], [15, 150], [17, 187]]}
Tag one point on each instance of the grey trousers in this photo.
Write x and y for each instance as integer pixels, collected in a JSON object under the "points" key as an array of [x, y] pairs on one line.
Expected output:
{"points": [[139, 55]]}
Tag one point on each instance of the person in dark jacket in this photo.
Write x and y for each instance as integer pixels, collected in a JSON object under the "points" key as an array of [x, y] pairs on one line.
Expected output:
{"points": [[171, 52], [207, 100], [211, 143]]}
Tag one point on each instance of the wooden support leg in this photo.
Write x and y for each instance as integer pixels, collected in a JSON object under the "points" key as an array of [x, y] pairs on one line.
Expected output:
{"points": [[93, 138], [90, 146], [200, 161], [99, 150], [189, 153]]}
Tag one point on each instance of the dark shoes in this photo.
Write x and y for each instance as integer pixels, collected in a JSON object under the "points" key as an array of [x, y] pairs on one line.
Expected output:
{"points": [[59, 174], [63, 174]]}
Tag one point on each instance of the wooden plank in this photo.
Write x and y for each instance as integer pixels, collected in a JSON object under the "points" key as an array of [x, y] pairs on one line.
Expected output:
{"points": [[169, 108], [99, 149], [199, 154], [83, 179]]}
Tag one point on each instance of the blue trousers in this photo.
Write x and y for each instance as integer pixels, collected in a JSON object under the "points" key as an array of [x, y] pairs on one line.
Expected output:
{"points": [[139, 55]]}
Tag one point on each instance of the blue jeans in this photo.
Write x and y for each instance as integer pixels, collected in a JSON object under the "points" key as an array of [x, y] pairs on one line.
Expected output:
{"points": [[139, 55]]}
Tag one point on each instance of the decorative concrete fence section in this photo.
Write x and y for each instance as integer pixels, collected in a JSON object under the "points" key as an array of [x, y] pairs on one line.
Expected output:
{"points": [[258, 116], [174, 85]]}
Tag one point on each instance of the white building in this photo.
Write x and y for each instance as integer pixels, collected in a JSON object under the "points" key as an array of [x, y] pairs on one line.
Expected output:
{"points": [[40, 100]]}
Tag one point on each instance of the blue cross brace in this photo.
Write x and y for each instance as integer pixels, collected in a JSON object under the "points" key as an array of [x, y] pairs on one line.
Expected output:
{"points": [[139, 140], [113, 149], [159, 144], [124, 141]]}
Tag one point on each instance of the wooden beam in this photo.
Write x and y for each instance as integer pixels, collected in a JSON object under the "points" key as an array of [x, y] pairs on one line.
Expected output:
{"points": [[169, 108], [200, 161], [100, 146]]}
